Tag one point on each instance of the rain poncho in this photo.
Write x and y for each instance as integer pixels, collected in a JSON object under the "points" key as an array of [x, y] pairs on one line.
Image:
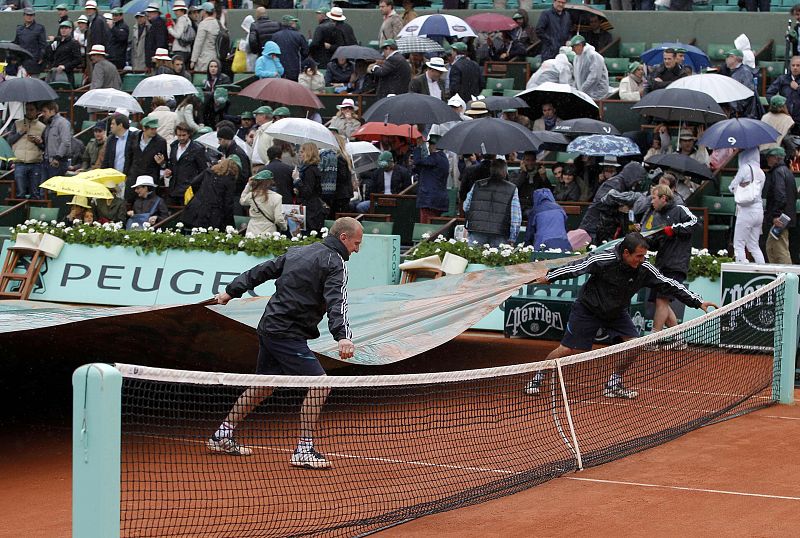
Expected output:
{"points": [[748, 216], [591, 74], [269, 66], [547, 223], [600, 219], [557, 70]]}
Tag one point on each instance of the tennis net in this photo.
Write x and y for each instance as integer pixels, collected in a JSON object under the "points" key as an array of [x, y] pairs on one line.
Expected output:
{"points": [[405, 446]]}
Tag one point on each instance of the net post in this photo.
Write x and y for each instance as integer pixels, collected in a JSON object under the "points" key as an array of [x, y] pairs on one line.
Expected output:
{"points": [[788, 340], [96, 438], [574, 436]]}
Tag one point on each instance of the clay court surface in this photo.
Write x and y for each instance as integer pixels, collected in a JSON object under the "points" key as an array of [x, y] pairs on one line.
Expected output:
{"points": [[739, 477]]}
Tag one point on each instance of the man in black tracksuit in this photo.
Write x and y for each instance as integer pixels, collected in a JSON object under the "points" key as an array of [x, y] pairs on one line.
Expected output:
{"points": [[674, 246], [310, 281], [603, 302], [601, 221]]}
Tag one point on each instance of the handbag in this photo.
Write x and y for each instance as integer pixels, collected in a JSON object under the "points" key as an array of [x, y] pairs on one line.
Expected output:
{"points": [[746, 195], [141, 218], [239, 61]]}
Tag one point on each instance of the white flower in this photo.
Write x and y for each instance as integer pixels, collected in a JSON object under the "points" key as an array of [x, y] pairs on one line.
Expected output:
{"points": [[191, 239], [241, 244], [68, 230], [127, 236], [313, 233], [695, 251], [134, 225], [59, 225], [179, 225], [22, 227], [230, 230], [438, 239], [276, 235], [493, 250], [323, 230], [145, 225], [592, 247], [485, 253], [505, 253], [426, 236], [452, 241], [295, 238], [722, 252], [463, 240], [437, 251], [54, 222]]}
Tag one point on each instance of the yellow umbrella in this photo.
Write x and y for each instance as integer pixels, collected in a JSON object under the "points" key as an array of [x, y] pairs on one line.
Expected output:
{"points": [[105, 176], [77, 186]]}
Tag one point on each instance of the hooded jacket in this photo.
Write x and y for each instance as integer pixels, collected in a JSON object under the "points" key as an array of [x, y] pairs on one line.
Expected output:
{"points": [[294, 49], [547, 223], [591, 74], [673, 251], [269, 67], [557, 70], [625, 181], [749, 170], [309, 281]]}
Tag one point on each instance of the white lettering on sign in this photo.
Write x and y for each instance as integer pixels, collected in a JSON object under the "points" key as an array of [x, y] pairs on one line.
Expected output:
{"points": [[533, 319]]}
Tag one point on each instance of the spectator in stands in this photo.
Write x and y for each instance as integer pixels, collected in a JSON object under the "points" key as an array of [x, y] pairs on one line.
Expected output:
{"points": [[687, 146], [336, 14], [547, 223], [292, 49], [137, 41], [76, 208], [558, 70], [780, 192], [226, 132], [149, 154], [79, 33], [64, 55], [743, 75], [94, 153], [788, 86], [361, 81], [111, 209], [567, 189], [119, 36], [492, 208], [432, 172], [98, 32], [631, 87], [338, 72], [63, 12], [472, 173], [591, 73], [465, 77], [779, 118], [147, 205], [508, 49], [215, 193], [408, 11], [327, 38], [157, 34], [179, 67], [431, 82], [749, 211], [754, 5], [104, 74], [162, 63], [261, 31], [190, 112], [553, 28], [680, 59], [178, 30], [600, 221], [269, 64], [388, 178], [608, 169], [32, 37], [167, 120], [204, 49], [266, 206], [512, 114], [262, 141], [548, 120], [214, 77], [119, 149], [524, 33], [57, 139], [618, 5], [310, 77], [665, 73], [392, 22], [26, 138], [597, 36], [393, 72], [308, 186], [346, 122], [529, 178], [281, 174], [246, 123]]}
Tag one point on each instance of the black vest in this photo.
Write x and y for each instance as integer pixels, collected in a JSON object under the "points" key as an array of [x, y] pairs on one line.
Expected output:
{"points": [[490, 207]]}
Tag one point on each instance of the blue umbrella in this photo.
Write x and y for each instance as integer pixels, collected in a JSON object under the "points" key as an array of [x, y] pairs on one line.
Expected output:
{"points": [[134, 6], [438, 25], [740, 133], [602, 145], [695, 57]]}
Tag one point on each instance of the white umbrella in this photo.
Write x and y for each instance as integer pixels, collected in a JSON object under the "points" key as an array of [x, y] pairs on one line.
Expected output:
{"points": [[164, 85], [569, 102], [364, 154], [437, 25], [721, 88], [210, 140], [109, 99], [302, 130]]}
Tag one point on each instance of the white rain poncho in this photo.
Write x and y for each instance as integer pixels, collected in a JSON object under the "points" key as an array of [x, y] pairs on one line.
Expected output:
{"points": [[591, 74], [557, 70]]}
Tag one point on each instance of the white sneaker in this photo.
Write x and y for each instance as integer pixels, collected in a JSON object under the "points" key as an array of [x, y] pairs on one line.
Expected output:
{"points": [[310, 459], [653, 346], [618, 391], [532, 388], [227, 445], [679, 345]]}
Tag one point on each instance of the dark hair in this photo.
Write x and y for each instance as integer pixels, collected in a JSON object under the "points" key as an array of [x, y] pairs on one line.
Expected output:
{"points": [[558, 165], [498, 168], [183, 127], [632, 241], [529, 154], [274, 152], [121, 119], [673, 181], [219, 67], [387, 2], [50, 105], [669, 50], [568, 170], [795, 8]]}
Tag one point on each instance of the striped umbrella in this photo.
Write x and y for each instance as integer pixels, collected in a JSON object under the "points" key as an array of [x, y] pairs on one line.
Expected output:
{"points": [[413, 43]]}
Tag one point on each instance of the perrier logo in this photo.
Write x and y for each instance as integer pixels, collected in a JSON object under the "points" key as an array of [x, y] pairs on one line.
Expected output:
{"points": [[532, 319]]}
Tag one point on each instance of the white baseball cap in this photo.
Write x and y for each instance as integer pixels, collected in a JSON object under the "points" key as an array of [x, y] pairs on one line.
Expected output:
{"points": [[144, 181]]}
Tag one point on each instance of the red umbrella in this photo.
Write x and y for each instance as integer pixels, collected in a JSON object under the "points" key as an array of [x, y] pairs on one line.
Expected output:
{"points": [[491, 22], [375, 130], [281, 90]]}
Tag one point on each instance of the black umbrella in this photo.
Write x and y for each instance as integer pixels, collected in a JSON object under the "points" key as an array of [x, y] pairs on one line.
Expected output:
{"points": [[26, 90], [568, 102], [491, 136], [585, 126], [681, 163], [13, 47], [498, 102], [677, 104], [411, 108], [356, 52]]}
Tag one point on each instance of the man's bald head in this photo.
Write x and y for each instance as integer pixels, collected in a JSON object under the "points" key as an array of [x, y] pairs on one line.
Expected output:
{"points": [[260, 12], [345, 225]]}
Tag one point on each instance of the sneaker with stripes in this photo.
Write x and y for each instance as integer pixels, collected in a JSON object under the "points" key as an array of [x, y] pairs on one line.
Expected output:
{"points": [[227, 445]]}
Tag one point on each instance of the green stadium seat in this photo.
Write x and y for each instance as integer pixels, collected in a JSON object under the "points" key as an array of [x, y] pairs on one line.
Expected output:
{"points": [[131, 80], [240, 222], [238, 77], [510, 93], [420, 229], [716, 51], [198, 79], [724, 183], [779, 52], [632, 50], [703, 7], [329, 223], [43, 213], [499, 84], [377, 228], [87, 124], [616, 66], [726, 8], [535, 62], [772, 70]]}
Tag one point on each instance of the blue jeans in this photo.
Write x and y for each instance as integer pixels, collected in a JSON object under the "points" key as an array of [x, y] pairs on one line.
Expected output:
{"points": [[28, 177], [362, 207], [50, 171], [493, 240]]}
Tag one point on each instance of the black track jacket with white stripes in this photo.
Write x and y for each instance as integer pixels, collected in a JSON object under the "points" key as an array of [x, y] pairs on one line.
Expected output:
{"points": [[311, 280], [673, 252], [612, 283]]}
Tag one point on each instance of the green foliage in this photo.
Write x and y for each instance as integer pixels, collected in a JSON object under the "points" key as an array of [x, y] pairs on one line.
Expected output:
{"points": [[703, 264], [147, 239], [473, 253]]}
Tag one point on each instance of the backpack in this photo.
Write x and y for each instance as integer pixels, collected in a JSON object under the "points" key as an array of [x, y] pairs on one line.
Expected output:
{"points": [[187, 37], [222, 46]]}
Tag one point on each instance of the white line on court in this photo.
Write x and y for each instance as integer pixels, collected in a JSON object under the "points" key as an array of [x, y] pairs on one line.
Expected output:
{"points": [[777, 416], [681, 488]]}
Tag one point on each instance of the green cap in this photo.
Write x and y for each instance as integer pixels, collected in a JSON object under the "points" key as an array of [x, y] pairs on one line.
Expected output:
{"points": [[66, 24], [150, 122], [264, 109], [281, 111], [577, 40], [389, 43], [509, 111], [384, 159], [220, 95], [433, 138], [321, 11], [779, 151], [633, 66], [459, 46], [517, 16], [235, 158], [117, 11], [262, 175], [287, 19], [246, 115], [208, 7], [680, 50], [777, 101], [62, 6], [735, 52]]}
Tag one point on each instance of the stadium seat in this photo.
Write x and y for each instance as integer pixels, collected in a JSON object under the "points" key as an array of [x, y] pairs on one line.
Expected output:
{"points": [[716, 51], [240, 222], [377, 228], [535, 62], [131, 80], [632, 50], [703, 7], [329, 223], [726, 8], [43, 213], [772, 69], [420, 229], [499, 84], [724, 183], [198, 79], [616, 66], [87, 124]]}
